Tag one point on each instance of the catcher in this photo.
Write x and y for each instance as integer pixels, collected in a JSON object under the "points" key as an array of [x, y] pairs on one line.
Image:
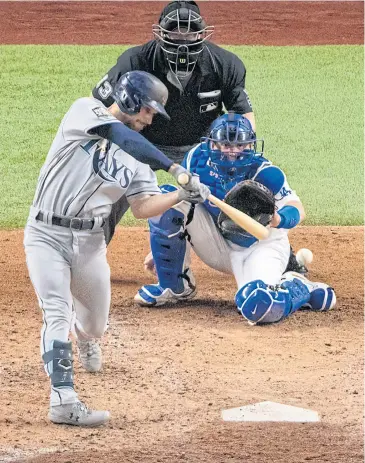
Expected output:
{"points": [[230, 161]]}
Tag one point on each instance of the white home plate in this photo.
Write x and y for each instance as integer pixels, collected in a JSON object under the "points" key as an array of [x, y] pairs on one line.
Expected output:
{"points": [[270, 411]]}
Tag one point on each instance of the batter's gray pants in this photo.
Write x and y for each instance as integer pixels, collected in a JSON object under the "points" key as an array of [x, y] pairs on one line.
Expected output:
{"points": [[69, 272], [176, 154]]}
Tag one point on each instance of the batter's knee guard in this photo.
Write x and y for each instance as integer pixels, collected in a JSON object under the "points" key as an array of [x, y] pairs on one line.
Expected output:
{"points": [[169, 249], [260, 303], [59, 364], [321, 296]]}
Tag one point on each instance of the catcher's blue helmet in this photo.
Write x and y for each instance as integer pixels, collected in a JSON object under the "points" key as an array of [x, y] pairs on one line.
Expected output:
{"points": [[232, 130], [138, 89]]}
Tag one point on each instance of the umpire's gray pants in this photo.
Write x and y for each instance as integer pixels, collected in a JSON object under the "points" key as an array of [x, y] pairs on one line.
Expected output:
{"points": [[176, 154]]}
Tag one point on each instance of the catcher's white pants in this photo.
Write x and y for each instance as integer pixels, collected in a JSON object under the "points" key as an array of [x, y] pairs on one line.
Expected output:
{"points": [[264, 260], [69, 272]]}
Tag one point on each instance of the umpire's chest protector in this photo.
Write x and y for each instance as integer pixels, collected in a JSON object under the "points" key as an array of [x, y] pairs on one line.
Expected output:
{"points": [[192, 106]]}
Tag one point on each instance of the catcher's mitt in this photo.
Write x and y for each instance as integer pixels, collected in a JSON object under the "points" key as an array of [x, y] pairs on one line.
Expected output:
{"points": [[252, 198]]}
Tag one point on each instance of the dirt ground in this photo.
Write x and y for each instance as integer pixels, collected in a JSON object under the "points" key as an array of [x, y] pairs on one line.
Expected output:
{"points": [[168, 373], [269, 23]]}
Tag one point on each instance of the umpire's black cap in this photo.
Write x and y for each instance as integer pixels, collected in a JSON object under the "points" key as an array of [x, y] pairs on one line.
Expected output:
{"points": [[177, 5]]}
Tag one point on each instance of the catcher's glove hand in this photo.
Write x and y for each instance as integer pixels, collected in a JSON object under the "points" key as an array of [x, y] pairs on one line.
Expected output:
{"points": [[252, 198]]}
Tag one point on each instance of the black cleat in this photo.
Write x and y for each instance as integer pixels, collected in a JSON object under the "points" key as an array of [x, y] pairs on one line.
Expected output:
{"points": [[294, 265]]}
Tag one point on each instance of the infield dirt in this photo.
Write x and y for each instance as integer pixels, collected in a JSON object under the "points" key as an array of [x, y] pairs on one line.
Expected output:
{"points": [[169, 372]]}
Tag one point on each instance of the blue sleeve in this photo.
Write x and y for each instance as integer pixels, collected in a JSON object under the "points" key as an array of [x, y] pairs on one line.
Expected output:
{"points": [[134, 144], [272, 177]]}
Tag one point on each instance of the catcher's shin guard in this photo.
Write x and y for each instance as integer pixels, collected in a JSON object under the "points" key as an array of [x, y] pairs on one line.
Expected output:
{"points": [[260, 303], [169, 249], [59, 364]]}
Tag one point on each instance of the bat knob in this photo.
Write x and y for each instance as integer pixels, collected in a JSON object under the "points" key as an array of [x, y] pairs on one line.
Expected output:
{"points": [[183, 179]]}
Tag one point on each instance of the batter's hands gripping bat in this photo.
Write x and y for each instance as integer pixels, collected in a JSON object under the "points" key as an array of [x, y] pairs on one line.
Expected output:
{"points": [[240, 218]]}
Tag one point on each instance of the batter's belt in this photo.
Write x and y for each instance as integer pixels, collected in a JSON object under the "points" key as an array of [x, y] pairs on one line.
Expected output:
{"points": [[76, 223]]}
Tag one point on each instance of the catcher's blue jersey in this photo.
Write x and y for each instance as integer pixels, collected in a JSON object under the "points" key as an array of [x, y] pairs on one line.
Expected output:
{"points": [[197, 161]]}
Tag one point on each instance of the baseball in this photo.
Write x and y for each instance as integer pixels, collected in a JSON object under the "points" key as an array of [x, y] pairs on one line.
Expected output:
{"points": [[304, 256]]}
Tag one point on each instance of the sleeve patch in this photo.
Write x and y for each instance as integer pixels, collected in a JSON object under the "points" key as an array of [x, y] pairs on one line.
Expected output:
{"points": [[101, 112]]}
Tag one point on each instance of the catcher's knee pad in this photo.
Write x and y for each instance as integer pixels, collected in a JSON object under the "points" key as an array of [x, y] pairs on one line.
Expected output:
{"points": [[168, 246], [59, 364], [260, 303]]}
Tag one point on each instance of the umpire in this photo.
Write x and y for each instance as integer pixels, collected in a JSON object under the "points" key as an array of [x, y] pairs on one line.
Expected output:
{"points": [[200, 76]]}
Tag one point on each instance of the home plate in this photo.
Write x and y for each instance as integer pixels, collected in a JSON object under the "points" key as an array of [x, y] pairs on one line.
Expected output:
{"points": [[270, 411]]}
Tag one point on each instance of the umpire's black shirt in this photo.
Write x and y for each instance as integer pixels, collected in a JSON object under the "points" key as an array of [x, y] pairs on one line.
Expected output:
{"points": [[218, 78]]}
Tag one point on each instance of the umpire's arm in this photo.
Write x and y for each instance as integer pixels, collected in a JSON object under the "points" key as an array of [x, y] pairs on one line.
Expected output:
{"points": [[104, 88], [235, 96]]}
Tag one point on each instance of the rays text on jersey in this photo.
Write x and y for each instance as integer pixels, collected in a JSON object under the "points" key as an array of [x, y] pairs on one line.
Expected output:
{"points": [[108, 165]]}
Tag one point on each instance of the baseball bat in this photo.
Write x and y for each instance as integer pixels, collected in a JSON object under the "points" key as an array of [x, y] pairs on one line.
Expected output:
{"points": [[240, 218]]}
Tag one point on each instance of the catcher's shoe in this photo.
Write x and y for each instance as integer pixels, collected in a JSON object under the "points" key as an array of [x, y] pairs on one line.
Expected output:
{"points": [[322, 296], [77, 414], [154, 295], [294, 265], [90, 357]]}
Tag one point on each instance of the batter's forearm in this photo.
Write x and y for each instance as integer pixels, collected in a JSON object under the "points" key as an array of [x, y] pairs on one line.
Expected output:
{"points": [[152, 206]]}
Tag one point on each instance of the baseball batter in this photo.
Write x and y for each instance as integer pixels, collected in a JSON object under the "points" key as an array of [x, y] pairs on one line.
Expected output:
{"points": [[229, 156], [89, 166]]}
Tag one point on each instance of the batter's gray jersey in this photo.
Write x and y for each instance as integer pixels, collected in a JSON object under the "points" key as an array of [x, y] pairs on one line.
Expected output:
{"points": [[83, 175]]}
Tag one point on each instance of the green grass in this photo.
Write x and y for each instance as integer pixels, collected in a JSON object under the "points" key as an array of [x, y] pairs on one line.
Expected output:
{"points": [[308, 103]]}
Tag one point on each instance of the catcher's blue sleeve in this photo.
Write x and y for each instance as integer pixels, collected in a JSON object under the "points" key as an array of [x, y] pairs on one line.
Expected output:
{"points": [[272, 177]]}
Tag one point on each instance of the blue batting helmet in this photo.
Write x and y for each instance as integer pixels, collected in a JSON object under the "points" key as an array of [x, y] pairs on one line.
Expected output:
{"points": [[138, 89], [232, 131]]}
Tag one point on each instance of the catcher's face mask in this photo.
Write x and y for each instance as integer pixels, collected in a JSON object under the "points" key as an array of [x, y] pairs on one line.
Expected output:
{"points": [[233, 146], [233, 151], [181, 34]]}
